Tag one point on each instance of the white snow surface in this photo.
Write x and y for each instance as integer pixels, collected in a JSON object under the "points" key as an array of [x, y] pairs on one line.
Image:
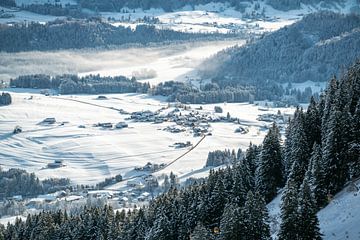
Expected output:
{"points": [[339, 220], [92, 154]]}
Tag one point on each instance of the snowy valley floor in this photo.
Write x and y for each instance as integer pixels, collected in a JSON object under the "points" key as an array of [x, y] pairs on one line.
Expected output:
{"points": [[91, 154]]}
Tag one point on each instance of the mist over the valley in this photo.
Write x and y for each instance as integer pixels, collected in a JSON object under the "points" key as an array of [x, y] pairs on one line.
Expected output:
{"points": [[170, 62]]}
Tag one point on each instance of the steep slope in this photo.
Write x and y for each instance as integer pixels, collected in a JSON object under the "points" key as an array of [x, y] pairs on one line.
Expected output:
{"points": [[340, 219], [312, 49]]}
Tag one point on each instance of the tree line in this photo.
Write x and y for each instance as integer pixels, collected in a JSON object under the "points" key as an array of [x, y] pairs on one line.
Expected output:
{"points": [[220, 91], [19, 182], [73, 84], [175, 91], [89, 33], [55, 10], [8, 3], [172, 5]]}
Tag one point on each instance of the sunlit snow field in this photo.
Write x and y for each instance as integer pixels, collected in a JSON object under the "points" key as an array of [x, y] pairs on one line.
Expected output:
{"points": [[92, 154]]}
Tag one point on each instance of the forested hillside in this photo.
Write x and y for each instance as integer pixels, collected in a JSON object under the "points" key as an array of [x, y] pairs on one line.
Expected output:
{"points": [[171, 5], [63, 34], [321, 153], [313, 49]]}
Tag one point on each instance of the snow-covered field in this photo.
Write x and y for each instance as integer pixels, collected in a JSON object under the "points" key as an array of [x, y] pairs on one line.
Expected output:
{"points": [[170, 62], [92, 154]]}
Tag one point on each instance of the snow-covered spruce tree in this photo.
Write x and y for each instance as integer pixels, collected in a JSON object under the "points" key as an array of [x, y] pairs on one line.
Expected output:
{"points": [[328, 103], [200, 233], [255, 223], [248, 176], [287, 148], [173, 180], [355, 145], [252, 157], [308, 225], [300, 152], [313, 123], [161, 229], [289, 212], [138, 225], [228, 181], [216, 204], [231, 224], [333, 153], [240, 187], [166, 184], [317, 175], [270, 171]]}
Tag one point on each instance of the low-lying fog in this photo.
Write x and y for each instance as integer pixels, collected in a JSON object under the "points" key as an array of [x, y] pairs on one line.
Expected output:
{"points": [[153, 64]]}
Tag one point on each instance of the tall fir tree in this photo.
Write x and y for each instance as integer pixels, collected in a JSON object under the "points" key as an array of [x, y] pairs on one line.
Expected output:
{"points": [[355, 144], [270, 171], [231, 224], [308, 223], [300, 152], [313, 123], [252, 158], [289, 212], [317, 175], [200, 233], [288, 147], [255, 225], [333, 154]]}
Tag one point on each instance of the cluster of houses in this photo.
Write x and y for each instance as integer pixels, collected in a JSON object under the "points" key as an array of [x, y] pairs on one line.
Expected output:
{"points": [[174, 129], [49, 198], [182, 145], [151, 167], [147, 116], [122, 197], [198, 123], [269, 117], [109, 125], [127, 197]]}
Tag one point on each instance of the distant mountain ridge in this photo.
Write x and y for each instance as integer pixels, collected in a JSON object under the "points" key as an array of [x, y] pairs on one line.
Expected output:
{"points": [[320, 45], [77, 34], [172, 5]]}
